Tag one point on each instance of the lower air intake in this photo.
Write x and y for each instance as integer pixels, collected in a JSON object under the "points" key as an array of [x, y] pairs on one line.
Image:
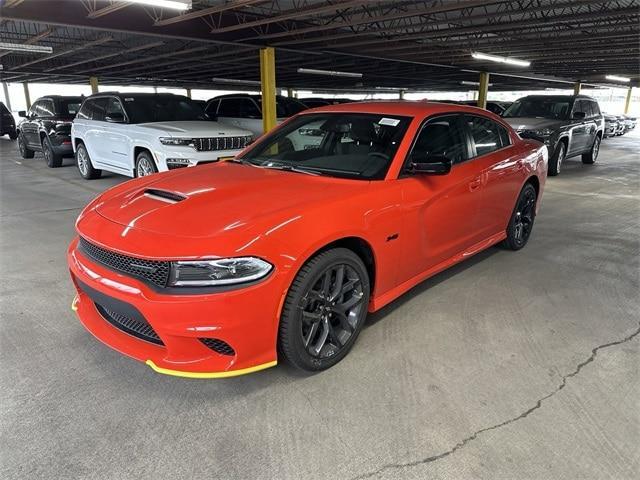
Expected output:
{"points": [[129, 325], [218, 346]]}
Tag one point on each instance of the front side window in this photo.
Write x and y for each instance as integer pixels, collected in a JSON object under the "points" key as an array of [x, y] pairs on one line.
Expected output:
{"points": [[540, 107], [596, 109], [485, 134], [45, 108], [441, 136], [351, 145], [114, 110]]}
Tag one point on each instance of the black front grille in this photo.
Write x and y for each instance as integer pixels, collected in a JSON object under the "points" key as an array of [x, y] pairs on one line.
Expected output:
{"points": [[136, 327], [218, 346], [221, 143], [154, 271]]}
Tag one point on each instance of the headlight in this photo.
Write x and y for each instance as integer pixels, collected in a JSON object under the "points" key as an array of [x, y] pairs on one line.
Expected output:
{"points": [[223, 271], [185, 142], [544, 132]]}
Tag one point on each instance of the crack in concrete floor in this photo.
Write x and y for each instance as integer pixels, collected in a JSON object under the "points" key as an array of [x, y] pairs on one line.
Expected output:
{"points": [[526, 413]]}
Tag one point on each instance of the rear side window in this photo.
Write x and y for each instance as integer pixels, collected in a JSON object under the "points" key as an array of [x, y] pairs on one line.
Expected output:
{"points": [[440, 136], [93, 109], [487, 135]]}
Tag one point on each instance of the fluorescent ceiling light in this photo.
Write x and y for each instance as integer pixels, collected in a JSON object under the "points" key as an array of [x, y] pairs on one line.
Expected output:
{"points": [[235, 82], [617, 78], [331, 73], [497, 58], [172, 4], [473, 84], [22, 47]]}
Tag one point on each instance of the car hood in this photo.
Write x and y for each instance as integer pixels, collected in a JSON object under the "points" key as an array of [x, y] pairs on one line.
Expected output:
{"points": [[195, 128], [532, 123], [221, 199]]}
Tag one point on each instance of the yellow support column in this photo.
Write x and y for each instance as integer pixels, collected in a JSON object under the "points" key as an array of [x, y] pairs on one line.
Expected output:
{"points": [[483, 89], [188, 92], [627, 102], [27, 98], [577, 87], [93, 81], [268, 85]]}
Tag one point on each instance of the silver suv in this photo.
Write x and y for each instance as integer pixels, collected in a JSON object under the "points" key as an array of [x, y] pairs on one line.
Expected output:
{"points": [[569, 125]]}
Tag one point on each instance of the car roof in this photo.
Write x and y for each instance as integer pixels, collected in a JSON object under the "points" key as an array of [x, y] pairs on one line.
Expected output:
{"points": [[135, 95], [418, 108], [562, 97]]}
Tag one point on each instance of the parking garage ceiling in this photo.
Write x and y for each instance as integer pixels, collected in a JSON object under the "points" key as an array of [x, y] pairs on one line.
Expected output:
{"points": [[412, 45]]}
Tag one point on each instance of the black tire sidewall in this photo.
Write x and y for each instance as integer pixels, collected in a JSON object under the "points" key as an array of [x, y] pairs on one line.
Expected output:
{"points": [[510, 241], [555, 163], [290, 344]]}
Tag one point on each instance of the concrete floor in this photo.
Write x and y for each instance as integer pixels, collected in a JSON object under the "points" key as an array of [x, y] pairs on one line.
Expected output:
{"points": [[512, 365]]}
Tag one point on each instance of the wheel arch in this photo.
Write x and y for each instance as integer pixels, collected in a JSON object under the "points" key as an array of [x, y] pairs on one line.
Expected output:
{"points": [[535, 182]]}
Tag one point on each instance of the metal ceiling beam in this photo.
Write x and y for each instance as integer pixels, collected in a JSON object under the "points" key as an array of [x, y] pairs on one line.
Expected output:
{"points": [[34, 39], [232, 5], [99, 41], [321, 7], [12, 3], [114, 7], [109, 55]]}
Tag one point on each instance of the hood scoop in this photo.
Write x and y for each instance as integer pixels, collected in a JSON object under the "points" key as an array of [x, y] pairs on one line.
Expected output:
{"points": [[164, 195]]}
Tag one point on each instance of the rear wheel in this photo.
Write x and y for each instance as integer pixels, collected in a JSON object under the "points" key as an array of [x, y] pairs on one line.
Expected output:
{"points": [[25, 152], [53, 159], [555, 162], [521, 222], [591, 157], [145, 165], [324, 311], [84, 164]]}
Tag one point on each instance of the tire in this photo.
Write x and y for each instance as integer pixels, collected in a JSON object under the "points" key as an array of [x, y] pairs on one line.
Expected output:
{"points": [[555, 162], [320, 321], [145, 165], [85, 167], [53, 159], [13, 135], [522, 218], [25, 152], [590, 157]]}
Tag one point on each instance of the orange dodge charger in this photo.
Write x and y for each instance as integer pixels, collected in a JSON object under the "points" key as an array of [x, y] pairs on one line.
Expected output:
{"points": [[279, 254]]}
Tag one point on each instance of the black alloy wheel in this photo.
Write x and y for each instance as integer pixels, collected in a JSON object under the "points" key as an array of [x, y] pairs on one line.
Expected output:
{"points": [[521, 223], [25, 152], [325, 310]]}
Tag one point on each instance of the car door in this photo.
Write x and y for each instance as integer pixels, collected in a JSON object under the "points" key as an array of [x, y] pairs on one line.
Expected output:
{"points": [[93, 134], [593, 124], [579, 127], [30, 124], [502, 174], [439, 211], [116, 149]]}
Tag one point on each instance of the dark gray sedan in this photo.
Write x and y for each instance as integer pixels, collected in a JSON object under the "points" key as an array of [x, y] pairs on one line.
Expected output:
{"points": [[569, 125]]}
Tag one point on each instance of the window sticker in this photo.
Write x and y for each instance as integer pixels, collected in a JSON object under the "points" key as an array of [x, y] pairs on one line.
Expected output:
{"points": [[392, 122]]}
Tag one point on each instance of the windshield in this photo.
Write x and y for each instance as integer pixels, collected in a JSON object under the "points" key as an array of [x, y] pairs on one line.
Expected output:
{"points": [[539, 107], [69, 106], [162, 108], [352, 145]]}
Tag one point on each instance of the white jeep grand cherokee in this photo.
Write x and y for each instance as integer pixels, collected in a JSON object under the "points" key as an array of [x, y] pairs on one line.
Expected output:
{"points": [[140, 134]]}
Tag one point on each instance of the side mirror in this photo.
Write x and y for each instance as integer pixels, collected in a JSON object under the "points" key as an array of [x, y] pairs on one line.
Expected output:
{"points": [[579, 115], [432, 165], [22, 114], [115, 117]]}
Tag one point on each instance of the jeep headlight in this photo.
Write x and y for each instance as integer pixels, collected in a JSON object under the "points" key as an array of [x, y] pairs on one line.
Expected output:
{"points": [[185, 142], [543, 132], [222, 271]]}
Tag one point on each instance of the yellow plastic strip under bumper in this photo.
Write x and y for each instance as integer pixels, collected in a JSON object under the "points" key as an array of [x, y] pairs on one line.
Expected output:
{"points": [[227, 374]]}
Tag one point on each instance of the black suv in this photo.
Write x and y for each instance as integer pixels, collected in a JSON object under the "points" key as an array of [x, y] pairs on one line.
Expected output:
{"points": [[568, 125], [7, 123], [47, 128]]}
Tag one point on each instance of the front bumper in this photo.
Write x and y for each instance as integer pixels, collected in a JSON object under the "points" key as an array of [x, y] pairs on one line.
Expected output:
{"points": [[244, 318], [169, 158]]}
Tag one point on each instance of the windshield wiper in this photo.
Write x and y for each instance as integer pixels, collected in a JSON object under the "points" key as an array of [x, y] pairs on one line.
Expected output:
{"points": [[289, 168]]}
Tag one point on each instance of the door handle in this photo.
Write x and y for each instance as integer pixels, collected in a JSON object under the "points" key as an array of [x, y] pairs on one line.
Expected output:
{"points": [[475, 185]]}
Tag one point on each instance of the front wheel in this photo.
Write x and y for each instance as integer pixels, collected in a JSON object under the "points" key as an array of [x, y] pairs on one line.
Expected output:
{"points": [[84, 164], [145, 165], [13, 135], [591, 157], [521, 222], [25, 152], [324, 311], [555, 162]]}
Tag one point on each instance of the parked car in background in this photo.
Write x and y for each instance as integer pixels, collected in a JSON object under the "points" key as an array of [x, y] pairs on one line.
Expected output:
{"points": [[493, 106], [7, 123], [46, 128], [611, 125], [622, 125], [313, 102], [569, 125], [245, 110], [280, 254], [137, 134], [629, 123]]}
